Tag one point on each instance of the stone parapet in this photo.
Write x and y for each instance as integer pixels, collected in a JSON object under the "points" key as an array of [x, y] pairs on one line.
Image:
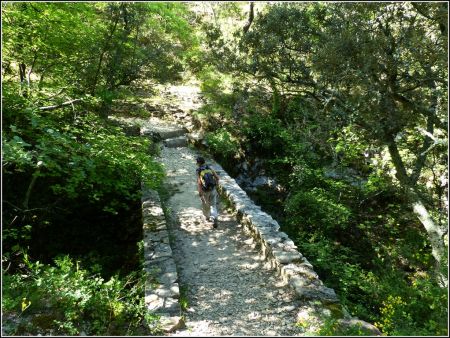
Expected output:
{"points": [[161, 288]]}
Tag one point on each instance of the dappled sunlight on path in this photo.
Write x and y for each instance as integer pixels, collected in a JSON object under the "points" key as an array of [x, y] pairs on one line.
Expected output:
{"points": [[228, 287]]}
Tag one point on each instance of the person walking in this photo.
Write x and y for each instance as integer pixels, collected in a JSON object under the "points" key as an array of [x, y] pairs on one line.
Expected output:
{"points": [[207, 180]]}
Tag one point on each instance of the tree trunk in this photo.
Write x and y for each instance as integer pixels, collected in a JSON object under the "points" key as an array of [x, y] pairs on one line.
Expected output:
{"points": [[276, 101], [29, 74], [250, 18], [30, 188], [102, 54], [22, 69], [22, 75], [435, 232]]}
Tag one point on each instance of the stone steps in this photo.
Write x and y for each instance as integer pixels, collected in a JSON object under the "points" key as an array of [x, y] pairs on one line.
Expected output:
{"points": [[171, 136], [176, 142]]}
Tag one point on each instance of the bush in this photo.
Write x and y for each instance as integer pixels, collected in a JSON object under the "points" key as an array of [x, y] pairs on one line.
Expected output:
{"points": [[71, 182], [67, 300], [368, 248], [223, 145], [265, 136], [418, 309], [82, 157], [316, 209]]}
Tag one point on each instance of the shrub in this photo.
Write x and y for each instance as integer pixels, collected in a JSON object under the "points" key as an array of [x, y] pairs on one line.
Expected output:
{"points": [[66, 299], [265, 135], [419, 309], [223, 145], [318, 210], [82, 157], [72, 169]]}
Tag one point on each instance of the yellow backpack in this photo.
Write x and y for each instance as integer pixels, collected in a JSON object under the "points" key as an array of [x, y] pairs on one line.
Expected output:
{"points": [[207, 178]]}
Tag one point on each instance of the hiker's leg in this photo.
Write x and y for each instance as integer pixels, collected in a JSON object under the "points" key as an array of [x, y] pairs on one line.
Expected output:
{"points": [[214, 204], [206, 204]]}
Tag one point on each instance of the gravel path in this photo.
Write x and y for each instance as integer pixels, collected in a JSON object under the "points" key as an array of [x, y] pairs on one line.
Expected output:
{"points": [[228, 288]]}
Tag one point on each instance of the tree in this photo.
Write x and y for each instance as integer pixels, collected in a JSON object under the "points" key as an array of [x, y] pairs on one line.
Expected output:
{"points": [[382, 66], [394, 76], [93, 47], [48, 41]]}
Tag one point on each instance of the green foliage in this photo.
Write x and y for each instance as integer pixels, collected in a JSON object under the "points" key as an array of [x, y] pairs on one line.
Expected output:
{"points": [[372, 255], [398, 303], [424, 300], [184, 302], [66, 299], [317, 208], [217, 110], [264, 136], [366, 231], [318, 203], [71, 180], [93, 47], [49, 39], [216, 86], [310, 131], [317, 117], [281, 92], [223, 144], [350, 145], [212, 85], [84, 156]]}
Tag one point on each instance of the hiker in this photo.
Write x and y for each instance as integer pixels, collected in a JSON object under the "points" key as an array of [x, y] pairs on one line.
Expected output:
{"points": [[207, 180]]}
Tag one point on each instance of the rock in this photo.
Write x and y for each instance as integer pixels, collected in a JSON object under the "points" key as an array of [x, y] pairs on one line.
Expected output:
{"points": [[171, 323], [285, 257], [363, 327], [168, 291], [244, 166], [167, 278], [298, 282], [154, 302], [244, 181], [289, 308], [314, 292], [195, 136], [153, 135], [261, 180]]}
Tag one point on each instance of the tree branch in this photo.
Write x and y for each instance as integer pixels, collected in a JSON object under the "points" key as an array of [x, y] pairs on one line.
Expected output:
{"points": [[422, 155], [250, 18], [47, 108], [441, 23], [421, 110]]}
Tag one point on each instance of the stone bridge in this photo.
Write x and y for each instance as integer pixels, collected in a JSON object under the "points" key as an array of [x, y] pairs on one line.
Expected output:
{"points": [[315, 303]]}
